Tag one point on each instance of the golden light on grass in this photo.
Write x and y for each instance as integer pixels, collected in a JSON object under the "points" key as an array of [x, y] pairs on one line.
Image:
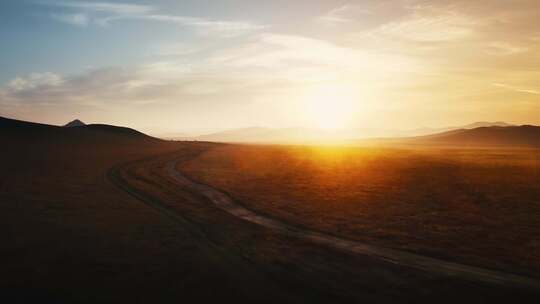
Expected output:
{"points": [[441, 200]]}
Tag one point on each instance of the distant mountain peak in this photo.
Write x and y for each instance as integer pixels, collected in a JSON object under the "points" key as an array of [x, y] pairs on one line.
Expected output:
{"points": [[75, 123]]}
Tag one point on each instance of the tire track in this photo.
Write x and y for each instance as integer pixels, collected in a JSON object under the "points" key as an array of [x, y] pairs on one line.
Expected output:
{"points": [[398, 257], [234, 261]]}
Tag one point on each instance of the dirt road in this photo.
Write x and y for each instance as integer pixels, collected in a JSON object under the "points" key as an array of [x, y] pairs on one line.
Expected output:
{"points": [[407, 259], [261, 255]]}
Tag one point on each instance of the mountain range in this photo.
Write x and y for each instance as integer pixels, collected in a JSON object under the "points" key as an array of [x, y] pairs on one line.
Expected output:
{"points": [[308, 135], [481, 134]]}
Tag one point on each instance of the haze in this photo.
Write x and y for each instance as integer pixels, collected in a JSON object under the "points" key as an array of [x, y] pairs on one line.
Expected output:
{"points": [[195, 66]]}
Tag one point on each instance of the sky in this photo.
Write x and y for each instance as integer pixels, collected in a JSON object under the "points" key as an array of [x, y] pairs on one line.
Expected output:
{"points": [[197, 66]]}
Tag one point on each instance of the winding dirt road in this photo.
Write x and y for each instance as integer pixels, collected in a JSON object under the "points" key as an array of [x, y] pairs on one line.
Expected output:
{"points": [[406, 259]]}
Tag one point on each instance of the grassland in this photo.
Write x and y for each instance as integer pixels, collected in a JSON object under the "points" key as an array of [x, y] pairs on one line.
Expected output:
{"points": [[90, 215], [71, 236], [478, 207]]}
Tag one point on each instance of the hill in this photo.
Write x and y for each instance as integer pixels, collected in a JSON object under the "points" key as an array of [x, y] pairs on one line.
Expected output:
{"points": [[17, 131], [429, 131], [511, 136]]}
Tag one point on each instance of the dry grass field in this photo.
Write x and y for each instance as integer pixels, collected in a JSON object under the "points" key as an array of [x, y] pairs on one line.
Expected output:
{"points": [[478, 207], [90, 215], [71, 236]]}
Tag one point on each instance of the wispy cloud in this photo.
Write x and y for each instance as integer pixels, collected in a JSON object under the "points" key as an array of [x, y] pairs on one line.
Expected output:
{"points": [[94, 87], [174, 49], [254, 66], [504, 48], [104, 7], [227, 28], [343, 14], [33, 81], [302, 59], [430, 27], [105, 13], [517, 89], [73, 19]]}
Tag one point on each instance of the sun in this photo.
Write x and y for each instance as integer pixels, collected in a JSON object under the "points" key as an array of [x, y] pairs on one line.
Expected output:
{"points": [[330, 107]]}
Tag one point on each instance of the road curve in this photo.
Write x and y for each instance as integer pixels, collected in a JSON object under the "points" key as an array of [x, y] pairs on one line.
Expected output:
{"points": [[407, 259]]}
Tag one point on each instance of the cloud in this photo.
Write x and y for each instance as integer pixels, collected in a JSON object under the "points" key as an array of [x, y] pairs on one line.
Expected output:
{"points": [[105, 13], [158, 82], [307, 58], [49, 88], [180, 48], [502, 48], [247, 70], [73, 19], [429, 25], [227, 28], [105, 7], [517, 89], [343, 14], [479, 38], [33, 81]]}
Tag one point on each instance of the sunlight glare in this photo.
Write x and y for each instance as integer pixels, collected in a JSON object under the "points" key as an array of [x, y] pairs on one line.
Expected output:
{"points": [[330, 107]]}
